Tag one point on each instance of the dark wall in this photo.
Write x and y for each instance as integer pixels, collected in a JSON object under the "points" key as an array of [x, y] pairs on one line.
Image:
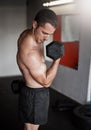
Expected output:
{"points": [[8, 104], [12, 2], [32, 7]]}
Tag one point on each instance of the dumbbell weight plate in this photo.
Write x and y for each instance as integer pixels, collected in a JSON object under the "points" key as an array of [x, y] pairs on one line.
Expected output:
{"points": [[83, 117], [16, 86], [55, 50]]}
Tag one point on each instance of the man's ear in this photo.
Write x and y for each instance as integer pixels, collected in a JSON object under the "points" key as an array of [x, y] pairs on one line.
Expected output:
{"points": [[34, 24]]}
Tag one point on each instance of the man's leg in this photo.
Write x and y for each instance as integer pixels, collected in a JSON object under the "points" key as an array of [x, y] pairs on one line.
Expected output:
{"points": [[28, 126]]}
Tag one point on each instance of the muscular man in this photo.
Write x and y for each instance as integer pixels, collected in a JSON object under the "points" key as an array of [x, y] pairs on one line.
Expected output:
{"points": [[34, 96]]}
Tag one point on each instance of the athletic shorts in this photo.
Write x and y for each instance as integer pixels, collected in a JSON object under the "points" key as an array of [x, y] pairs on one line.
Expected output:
{"points": [[33, 105]]}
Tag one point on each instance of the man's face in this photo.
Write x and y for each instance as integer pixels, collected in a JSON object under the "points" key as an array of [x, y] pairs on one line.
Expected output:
{"points": [[42, 33]]}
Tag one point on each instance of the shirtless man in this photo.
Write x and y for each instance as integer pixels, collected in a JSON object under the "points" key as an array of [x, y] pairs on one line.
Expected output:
{"points": [[34, 96]]}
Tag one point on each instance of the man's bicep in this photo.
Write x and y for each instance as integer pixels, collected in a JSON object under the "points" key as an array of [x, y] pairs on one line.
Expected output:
{"points": [[36, 68]]}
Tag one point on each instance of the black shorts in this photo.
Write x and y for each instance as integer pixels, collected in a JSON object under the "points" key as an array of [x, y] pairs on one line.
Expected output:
{"points": [[33, 105]]}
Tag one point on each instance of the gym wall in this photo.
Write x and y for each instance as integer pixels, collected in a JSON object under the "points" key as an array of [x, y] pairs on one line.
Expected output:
{"points": [[76, 83], [12, 23]]}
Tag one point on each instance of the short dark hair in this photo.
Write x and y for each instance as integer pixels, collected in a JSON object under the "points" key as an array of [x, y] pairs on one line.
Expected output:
{"points": [[46, 16]]}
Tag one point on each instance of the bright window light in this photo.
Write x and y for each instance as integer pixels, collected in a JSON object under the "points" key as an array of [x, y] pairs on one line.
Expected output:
{"points": [[57, 2]]}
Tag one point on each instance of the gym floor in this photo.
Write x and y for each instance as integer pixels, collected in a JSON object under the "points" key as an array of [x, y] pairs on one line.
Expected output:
{"points": [[60, 111]]}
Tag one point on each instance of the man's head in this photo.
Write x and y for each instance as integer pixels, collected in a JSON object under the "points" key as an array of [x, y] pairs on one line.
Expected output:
{"points": [[46, 16], [44, 25]]}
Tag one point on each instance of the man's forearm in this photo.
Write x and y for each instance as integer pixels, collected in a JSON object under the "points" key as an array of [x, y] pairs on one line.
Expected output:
{"points": [[52, 71]]}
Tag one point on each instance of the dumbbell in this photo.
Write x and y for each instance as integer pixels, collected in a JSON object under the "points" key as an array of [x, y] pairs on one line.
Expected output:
{"points": [[55, 50], [16, 86]]}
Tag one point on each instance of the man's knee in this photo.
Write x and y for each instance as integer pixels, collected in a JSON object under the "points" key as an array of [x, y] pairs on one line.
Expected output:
{"points": [[28, 126]]}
